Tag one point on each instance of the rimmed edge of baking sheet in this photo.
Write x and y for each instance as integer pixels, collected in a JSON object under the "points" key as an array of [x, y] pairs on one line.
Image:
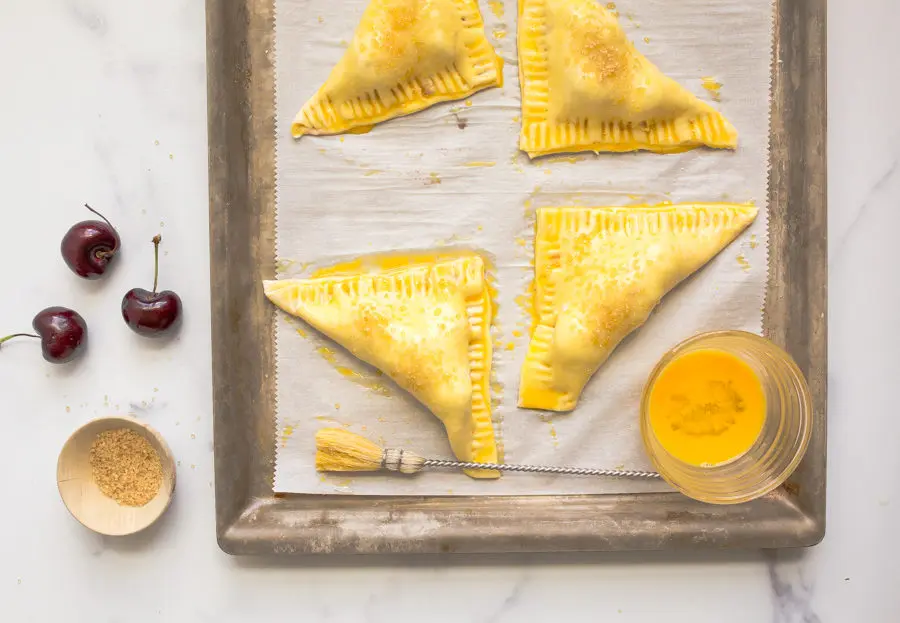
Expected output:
{"points": [[250, 519]]}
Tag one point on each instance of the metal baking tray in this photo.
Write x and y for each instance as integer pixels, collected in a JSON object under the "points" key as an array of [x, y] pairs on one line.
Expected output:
{"points": [[251, 519]]}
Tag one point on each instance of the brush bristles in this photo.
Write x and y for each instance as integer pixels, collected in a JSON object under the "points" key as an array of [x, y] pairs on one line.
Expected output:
{"points": [[338, 450]]}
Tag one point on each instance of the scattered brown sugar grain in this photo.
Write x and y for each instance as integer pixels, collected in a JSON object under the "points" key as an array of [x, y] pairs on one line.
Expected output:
{"points": [[126, 467]]}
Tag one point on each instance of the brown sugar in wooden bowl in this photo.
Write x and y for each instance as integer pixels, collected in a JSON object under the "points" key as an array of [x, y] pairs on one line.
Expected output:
{"points": [[124, 463]]}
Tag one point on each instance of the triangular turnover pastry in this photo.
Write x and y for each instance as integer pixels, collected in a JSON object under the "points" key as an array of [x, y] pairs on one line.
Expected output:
{"points": [[599, 272], [586, 88], [406, 55], [427, 326]]}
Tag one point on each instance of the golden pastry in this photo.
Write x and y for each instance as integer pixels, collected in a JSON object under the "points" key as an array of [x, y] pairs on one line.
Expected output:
{"points": [[586, 88], [599, 272], [405, 56], [427, 326]]}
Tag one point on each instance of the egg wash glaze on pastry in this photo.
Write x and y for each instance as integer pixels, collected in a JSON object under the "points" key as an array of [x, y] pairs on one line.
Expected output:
{"points": [[599, 272], [426, 325], [405, 56], [586, 88]]}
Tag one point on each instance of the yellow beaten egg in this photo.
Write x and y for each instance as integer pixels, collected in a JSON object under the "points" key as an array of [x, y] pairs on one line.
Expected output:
{"points": [[707, 407], [726, 416]]}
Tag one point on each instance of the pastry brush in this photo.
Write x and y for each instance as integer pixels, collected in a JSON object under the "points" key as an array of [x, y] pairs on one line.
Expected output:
{"points": [[338, 450]]}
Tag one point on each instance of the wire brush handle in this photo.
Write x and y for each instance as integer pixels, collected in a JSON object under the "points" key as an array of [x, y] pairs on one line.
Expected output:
{"points": [[569, 471]]}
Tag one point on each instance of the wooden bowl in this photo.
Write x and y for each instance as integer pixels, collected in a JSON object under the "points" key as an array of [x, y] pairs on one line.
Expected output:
{"points": [[83, 497]]}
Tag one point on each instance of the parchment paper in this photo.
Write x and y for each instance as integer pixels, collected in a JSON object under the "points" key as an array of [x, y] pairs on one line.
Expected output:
{"points": [[452, 175]]}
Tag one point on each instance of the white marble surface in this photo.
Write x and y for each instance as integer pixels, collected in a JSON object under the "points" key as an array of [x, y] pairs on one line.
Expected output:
{"points": [[90, 86]]}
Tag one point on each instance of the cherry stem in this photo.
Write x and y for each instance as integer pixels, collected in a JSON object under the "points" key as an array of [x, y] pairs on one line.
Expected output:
{"points": [[156, 240], [9, 337], [100, 215]]}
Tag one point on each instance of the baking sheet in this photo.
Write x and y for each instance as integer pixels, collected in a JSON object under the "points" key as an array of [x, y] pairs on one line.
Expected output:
{"points": [[452, 175]]}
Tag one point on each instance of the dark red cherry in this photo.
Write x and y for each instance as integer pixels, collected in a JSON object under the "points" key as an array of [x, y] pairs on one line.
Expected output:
{"points": [[151, 313], [62, 331], [89, 246]]}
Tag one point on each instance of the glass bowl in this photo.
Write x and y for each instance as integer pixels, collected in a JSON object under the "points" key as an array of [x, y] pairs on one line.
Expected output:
{"points": [[781, 443]]}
